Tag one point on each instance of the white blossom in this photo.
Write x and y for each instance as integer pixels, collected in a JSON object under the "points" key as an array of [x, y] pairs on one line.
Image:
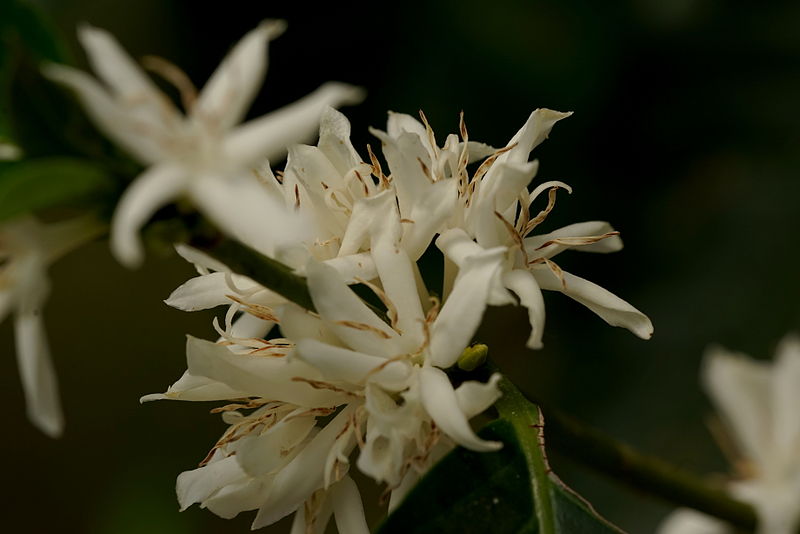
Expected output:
{"points": [[203, 154], [757, 400], [27, 247], [493, 210]]}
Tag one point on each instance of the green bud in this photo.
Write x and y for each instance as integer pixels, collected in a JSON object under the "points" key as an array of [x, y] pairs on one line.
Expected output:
{"points": [[473, 357]]}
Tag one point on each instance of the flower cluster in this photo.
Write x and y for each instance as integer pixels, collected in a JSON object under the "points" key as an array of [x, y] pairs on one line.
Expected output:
{"points": [[757, 401], [361, 379]]}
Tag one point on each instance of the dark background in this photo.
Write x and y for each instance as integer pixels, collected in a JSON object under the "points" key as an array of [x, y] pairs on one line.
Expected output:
{"points": [[684, 137]]}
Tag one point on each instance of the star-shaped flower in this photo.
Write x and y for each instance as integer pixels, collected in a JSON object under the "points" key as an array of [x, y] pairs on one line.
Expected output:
{"points": [[757, 401], [202, 155], [27, 247]]}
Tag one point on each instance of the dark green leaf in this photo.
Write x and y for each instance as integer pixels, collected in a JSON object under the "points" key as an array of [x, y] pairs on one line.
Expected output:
{"points": [[508, 491], [35, 184]]}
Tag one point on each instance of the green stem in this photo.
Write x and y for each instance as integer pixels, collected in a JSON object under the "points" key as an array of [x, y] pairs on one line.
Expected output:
{"points": [[526, 418], [646, 473], [270, 273]]}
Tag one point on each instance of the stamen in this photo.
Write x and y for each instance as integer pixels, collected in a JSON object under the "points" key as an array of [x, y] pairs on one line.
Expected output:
{"points": [[577, 241], [174, 75]]}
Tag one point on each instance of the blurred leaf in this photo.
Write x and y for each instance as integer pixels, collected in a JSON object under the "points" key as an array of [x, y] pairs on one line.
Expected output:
{"points": [[508, 491], [24, 31], [34, 184]]}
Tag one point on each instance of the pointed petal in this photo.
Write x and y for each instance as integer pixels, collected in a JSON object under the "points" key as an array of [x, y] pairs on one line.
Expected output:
{"points": [[151, 190], [37, 373], [348, 316], [230, 90], [298, 323], [199, 484], [353, 367], [396, 273], [533, 132], [261, 376], [741, 388], [243, 208], [206, 291], [114, 66], [111, 117], [250, 326], [347, 507], [429, 216], [441, 403], [608, 306], [334, 141], [462, 312], [524, 285], [535, 245], [268, 136], [476, 397], [295, 483], [239, 496], [201, 260], [196, 388]]}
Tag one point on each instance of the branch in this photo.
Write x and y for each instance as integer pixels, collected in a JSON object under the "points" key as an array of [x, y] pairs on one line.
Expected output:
{"points": [[653, 475]]}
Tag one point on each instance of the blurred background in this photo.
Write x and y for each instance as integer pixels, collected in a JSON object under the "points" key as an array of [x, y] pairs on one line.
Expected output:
{"points": [[685, 136]]}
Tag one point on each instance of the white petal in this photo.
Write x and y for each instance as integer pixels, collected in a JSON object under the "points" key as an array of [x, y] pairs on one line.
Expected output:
{"points": [[156, 187], [404, 154], [334, 140], [240, 496], [741, 388], [687, 521], [206, 291], [268, 136], [37, 373], [114, 66], [262, 454], [110, 116], [608, 306], [524, 285], [345, 365], [199, 484], [442, 404], [268, 377], [243, 208], [201, 260], [786, 399], [250, 326], [366, 213], [428, 216], [295, 483], [457, 245], [533, 244], [396, 272], [347, 507], [298, 323], [354, 266], [533, 132], [462, 312], [475, 397], [196, 388], [348, 316], [230, 90]]}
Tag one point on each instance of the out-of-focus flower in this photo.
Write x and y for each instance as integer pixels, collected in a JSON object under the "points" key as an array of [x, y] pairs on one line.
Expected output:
{"points": [[493, 209], [757, 401], [27, 247], [203, 154]]}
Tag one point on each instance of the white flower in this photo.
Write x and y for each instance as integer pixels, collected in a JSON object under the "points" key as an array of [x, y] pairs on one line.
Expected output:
{"points": [[202, 155], [27, 247], [493, 210], [758, 402], [410, 403]]}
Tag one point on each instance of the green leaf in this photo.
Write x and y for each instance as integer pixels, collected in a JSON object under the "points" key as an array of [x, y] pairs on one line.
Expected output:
{"points": [[34, 184], [508, 491], [24, 21]]}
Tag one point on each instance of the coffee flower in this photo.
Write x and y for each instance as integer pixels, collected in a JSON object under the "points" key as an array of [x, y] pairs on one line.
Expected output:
{"points": [[27, 247], [757, 401], [493, 209], [202, 155]]}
